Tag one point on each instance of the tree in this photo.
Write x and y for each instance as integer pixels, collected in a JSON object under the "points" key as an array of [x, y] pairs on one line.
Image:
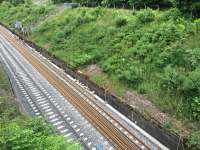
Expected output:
{"points": [[188, 6]]}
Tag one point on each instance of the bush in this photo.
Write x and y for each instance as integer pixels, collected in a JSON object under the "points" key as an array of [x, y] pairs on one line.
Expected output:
{"points": [[146, 16], [19, 137], [173, 14], [197, 23], [171, 79], [191, 84], [194, 141], [120, 22], [196, 108]]}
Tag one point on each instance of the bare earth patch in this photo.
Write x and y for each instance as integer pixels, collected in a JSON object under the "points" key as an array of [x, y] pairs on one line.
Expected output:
{"points": [[146, 107], [93, 69]]}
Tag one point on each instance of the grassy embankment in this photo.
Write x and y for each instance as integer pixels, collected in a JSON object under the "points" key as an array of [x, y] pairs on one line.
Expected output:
{"points": [[155, 53], [28, 13]]}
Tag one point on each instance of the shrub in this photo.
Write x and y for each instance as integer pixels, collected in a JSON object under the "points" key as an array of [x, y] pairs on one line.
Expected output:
{"points": [[191, 84], [146, 16], [132, 76], [166, 33], [194, 141], [18, 137], [120, 22], [197, 23], [173, 14], [196, 108], [171, 79]]}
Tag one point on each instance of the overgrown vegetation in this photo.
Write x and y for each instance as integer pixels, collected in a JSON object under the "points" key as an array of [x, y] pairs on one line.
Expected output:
{"points": [[27, 13], [189, 7], [18, 132]]}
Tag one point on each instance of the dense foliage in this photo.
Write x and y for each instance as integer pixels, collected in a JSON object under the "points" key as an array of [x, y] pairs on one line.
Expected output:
{"points": [[27, 13], [191, 7], [14, 2], [32, 134]]}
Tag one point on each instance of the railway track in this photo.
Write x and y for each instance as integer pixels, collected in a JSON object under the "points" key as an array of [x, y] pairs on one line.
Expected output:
{"points": [[113, 130], [43, 104]]}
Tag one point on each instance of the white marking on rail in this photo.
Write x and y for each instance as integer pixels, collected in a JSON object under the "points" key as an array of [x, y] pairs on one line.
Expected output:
{"points": [[47, 110], [60, 127], [41, 99], [42, 102], [57, 123], [37, 114], [81, 134], [85, 139], [52, 116], [77, 130], [53, 120], [74, 126], [116, 124], [37, 95], [34, 107], [89, 143], [60, 109], [130, 137], [71, 122], [36, 110], [68, 118], [50, 113], [125, 132], [63, 131], [45, 107]]}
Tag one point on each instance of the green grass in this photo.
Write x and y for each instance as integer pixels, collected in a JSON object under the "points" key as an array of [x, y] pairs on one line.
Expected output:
{"points": [[111, 84]]}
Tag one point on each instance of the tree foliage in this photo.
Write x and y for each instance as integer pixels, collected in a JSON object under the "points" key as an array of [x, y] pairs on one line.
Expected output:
{"points": [[34, 134]]}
